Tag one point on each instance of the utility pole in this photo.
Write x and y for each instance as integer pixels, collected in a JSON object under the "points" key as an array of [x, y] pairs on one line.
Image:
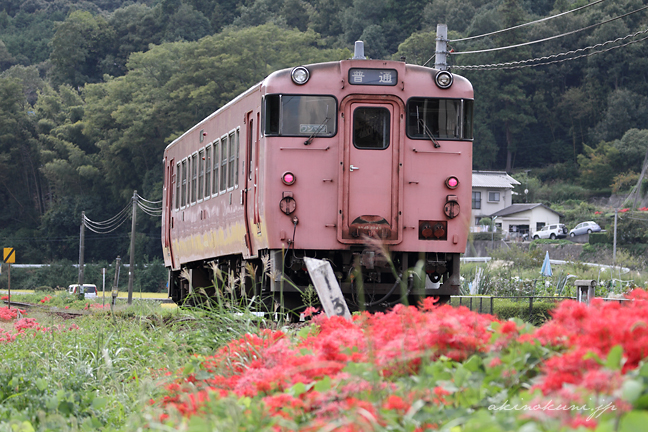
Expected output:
{"points": [[440, 62], [115, 289], [131, 268], [616, 214], [81, 253]]}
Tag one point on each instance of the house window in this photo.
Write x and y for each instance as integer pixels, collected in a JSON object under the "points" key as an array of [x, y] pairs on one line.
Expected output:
{"points": [[476, 200], [493, 196]]}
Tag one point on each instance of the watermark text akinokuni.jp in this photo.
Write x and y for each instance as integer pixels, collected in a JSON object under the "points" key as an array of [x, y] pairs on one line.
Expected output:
{"points": [[549, 406]]}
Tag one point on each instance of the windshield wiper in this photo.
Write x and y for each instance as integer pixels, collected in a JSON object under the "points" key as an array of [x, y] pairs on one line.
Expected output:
{"points": [[426, 130], [319, 129]]}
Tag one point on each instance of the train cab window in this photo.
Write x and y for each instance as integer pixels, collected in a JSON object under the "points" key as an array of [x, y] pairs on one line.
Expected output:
{"points": [[295, 115], [178, 184], [223, 166], [215, 177], [194, 177], [183, 202], [440, 118], [201, 174], [371, 128], [208, 169]]}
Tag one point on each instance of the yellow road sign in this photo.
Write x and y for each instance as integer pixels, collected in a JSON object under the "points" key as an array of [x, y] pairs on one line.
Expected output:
{"points": [[9, 255]]}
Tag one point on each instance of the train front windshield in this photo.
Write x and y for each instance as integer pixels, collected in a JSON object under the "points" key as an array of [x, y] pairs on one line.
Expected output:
{"points": [[295, 115], [442, 118]]}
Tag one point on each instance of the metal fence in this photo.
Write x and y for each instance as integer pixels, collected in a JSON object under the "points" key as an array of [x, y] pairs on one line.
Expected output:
{"points": [[486, 304]]}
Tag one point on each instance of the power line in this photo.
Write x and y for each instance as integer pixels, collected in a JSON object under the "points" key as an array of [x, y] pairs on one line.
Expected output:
{"points": [[510, 65], [548, 38], [525, 24]]}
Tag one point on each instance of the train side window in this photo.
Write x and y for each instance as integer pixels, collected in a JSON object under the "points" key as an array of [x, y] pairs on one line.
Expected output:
{"points": [[233, 171], [468, 119], [223, 167], [371, 128], [271, 114], [184, 183], [201, 174], [215, 177], [194, 177], [178, 184], [208, 169]]}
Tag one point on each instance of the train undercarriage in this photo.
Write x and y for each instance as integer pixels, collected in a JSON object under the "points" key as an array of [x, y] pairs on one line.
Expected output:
{"points": [[279, 279]]}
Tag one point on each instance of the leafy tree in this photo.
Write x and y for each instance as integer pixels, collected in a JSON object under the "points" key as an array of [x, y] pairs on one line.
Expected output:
{"points": [[78, 46], [597, 165]]}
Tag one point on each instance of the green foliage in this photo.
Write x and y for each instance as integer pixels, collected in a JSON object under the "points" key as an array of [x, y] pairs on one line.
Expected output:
{"points": [[520, 258], [537, 314]]}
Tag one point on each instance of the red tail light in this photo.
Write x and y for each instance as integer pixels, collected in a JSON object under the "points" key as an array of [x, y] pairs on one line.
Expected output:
{"points": [[288, 178]]}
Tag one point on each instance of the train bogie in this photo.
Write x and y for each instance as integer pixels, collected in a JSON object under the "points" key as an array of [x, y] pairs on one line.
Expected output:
{"points": [[364, 163]]}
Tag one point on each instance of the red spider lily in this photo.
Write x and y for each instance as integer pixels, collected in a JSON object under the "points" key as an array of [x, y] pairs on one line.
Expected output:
{"points": [[7, 314], [270, 365]]}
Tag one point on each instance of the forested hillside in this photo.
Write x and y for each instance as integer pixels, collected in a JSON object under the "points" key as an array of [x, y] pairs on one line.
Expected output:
{"points": [[92, 91]]}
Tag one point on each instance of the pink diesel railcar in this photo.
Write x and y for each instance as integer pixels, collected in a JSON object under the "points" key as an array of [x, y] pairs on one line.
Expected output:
{"points": [[336, 161]]}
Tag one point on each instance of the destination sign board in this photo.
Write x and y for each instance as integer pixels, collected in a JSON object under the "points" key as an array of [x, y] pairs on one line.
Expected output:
{"points": [[378, 77]]}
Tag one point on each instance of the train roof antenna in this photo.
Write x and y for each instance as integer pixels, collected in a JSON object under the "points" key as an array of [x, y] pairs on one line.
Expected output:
{"points": [[358, 53]]}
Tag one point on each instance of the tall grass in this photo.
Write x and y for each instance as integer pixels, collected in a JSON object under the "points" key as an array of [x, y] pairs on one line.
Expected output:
{"points": [[97, 376]]}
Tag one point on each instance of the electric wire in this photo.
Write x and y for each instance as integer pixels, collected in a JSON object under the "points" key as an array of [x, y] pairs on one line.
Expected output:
{"points": [[525, 24], [547, 38], [154, 213], [484, 67], [110, 221], [563, 54], [144, 199], [149, 207], [106, 231]]}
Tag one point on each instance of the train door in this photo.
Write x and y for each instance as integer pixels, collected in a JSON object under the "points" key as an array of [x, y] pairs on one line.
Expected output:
{"points": [[250, 192], [371, 175], [170, 187]]}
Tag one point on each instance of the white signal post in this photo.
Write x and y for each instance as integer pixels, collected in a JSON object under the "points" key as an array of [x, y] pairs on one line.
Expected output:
{"points": [[441, 52]]}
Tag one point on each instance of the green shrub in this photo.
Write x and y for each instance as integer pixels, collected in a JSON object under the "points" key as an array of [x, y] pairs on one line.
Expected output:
{"points": [[487, 236], [44, 288], [505, 309], [600, 238]]}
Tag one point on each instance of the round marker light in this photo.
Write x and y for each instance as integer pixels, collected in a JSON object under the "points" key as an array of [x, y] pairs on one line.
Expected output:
{"points": [[443, 79], [452, 182], [288, 178], [300, 75]]}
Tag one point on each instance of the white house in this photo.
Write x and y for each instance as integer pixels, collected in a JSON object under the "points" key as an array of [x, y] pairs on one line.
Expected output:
{"points": [[492, 191], [520, 219]]}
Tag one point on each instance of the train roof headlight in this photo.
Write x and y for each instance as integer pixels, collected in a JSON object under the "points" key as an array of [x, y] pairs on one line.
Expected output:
{"points": [[300, 75], [443, 79]]}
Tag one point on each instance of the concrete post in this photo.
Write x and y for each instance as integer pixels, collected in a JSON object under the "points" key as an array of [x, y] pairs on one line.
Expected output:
{"points": [[586, 290]]}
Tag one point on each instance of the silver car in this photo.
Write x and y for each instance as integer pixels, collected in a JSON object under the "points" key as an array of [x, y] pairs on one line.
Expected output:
{"points": [[585, 228]]}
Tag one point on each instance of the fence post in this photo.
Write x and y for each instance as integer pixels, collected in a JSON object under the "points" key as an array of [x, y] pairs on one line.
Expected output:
{"points": [[586, 290], [530, 307], [491, 302]]}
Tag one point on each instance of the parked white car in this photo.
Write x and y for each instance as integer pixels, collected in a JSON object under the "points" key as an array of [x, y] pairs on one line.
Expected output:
{"points": [[552, 231], [88, 290]]}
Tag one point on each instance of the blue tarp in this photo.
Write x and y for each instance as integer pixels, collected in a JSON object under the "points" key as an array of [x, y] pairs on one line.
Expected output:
{"points": [[546, 266]]}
